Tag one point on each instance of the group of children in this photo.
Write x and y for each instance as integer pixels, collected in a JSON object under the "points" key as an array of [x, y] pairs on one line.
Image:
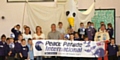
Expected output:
{"points": [[15, 50], [19, 47]]}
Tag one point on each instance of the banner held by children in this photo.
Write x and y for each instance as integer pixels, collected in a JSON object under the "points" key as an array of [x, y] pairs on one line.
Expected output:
{"points": [[68, 48]]}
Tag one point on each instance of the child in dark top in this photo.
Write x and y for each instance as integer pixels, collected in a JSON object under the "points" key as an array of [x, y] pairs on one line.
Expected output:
{"points": [[11, 50], [81, 31], [110, 29], [90, 31], [18, 47], [3, 46], [112, 50], [76, 36], [24, 50], [16, 31]]}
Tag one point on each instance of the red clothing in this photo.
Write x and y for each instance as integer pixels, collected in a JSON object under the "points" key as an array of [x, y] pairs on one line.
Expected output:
{"points": [[105, 57]]}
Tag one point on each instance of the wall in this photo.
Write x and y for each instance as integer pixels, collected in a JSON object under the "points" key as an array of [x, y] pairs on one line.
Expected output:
{"points": [[13, 13]]}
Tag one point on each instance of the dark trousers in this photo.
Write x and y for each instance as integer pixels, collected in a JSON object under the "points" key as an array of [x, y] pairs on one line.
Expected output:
{"points": [[10, 58], [2, 57], [24, 58], [113, 57]]}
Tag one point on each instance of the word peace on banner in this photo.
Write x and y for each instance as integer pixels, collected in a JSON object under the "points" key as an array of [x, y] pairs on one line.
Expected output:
{"points": [[68, 48]]}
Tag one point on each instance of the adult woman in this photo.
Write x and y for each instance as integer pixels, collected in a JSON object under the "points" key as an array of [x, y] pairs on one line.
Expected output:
{"points": [[38, 36]]}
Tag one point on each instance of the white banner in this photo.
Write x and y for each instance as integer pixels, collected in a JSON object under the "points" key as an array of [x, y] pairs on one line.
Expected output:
{"points": [[68, 48]]}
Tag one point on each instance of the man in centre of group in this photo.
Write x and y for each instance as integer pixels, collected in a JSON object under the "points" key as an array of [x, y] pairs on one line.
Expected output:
{"points": [[55, 35]]}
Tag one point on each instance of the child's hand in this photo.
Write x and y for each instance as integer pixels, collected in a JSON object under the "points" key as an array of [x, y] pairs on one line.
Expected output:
{"points": [[9, 53]]}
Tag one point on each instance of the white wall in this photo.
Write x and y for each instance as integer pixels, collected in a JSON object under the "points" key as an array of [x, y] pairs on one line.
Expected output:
{"points": [[13, 13]]}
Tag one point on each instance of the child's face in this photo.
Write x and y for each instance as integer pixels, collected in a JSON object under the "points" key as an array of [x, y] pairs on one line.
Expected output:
{"points": [[112, 41], [23, 42], [76, 35], [30, 42], [81, 25], [71, 37], [3, 39], [60, 25], [86, 39], [11, 40], [20, 37]]}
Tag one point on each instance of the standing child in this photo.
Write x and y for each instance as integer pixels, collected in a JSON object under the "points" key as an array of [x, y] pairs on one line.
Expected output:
{"points": [[30, 53], [11, 49], [112, 50], [24, 50], [3, 45], [18, 47]]}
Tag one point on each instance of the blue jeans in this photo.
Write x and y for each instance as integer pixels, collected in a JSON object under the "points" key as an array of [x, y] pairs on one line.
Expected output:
{"points": [[39, 58]]}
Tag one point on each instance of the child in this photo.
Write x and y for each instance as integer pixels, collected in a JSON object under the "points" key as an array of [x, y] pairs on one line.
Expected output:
{"points": [[18, 47], [3, 45], [30, 53], [11, 49], [81, 31], [24, 50], [112, 50], [76, 37]]}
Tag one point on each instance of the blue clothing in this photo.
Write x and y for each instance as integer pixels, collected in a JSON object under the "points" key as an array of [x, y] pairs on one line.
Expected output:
{"points": [[25, 51], [110, 31], [31, 56], [3, 51], [90, 32], [16, 33], [112, 49], [81, 31]]}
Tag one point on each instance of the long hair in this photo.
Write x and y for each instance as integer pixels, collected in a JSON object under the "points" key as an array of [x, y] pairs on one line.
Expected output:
{"points": [[40, 29]]}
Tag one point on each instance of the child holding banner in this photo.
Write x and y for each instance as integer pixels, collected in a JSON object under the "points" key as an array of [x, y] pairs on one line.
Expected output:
{"points": [[24, 50], [30, 53]]}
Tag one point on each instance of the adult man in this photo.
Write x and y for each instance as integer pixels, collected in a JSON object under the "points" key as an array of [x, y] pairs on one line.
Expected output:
{"points": [[53, 34]]}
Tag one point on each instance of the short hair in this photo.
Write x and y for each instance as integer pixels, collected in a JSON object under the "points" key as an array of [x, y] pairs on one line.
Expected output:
{"points": [[7, 39], [29, 39], [85, 37], [11, 38], [19, 35], [18, 25], [109, 24], [88, 22], [53, 24], [60, 23], [3, 36], [23, 40], [103, 25], [81, 23]]}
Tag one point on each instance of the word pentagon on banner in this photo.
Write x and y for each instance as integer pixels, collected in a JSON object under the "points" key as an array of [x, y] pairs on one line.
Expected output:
{"points": [[68, 48]]}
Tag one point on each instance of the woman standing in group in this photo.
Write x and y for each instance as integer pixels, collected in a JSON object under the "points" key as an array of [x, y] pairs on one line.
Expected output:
{"points": [[38, 36]]}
